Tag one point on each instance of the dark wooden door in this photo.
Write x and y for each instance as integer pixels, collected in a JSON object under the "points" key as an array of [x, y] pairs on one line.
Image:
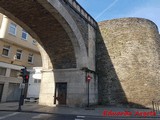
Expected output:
{"points": [[61, 93], [1, 91]]}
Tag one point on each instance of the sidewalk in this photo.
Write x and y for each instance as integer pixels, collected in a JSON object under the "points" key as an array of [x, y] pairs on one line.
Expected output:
{"points": [[98, 111]]}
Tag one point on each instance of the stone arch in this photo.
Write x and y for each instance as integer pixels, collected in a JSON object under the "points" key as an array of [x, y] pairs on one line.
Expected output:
{"points": [[53, 27], [59, 12], [77, 40]]}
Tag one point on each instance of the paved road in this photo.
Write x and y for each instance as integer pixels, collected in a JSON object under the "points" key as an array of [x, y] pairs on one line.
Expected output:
{"points": [[41, 116]]}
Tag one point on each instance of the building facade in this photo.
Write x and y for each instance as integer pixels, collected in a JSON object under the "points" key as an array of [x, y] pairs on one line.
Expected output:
{"points": [[17, 49]]}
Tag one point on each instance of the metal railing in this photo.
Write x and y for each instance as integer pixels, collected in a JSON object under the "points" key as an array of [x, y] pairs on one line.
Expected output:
{"points": [[78, 8]]}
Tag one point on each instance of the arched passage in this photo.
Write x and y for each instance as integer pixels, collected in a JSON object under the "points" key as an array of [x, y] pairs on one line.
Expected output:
{"points": [[51, 25], [62, 43]]}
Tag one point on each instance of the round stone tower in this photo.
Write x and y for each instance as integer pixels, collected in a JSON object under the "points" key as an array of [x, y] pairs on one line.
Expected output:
{"points": [[128, 62]]}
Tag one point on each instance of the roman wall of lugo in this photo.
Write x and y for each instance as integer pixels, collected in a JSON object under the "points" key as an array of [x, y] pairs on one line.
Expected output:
{"points": [[128, 62]]}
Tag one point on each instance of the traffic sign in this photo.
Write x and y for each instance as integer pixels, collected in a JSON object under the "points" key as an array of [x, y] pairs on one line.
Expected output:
{"points": [[89, 78]]}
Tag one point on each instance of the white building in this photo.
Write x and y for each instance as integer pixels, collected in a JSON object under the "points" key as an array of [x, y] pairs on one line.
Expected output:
{"points": [[34, 82], [17, 49]]}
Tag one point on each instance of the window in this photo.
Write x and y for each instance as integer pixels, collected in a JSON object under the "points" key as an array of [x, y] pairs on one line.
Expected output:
{"points": [[12, 29], [5, 51], [3, 71], [18, 54], [24, 35], [37, 81], [14, 73], [34, 42], [30, 58]]}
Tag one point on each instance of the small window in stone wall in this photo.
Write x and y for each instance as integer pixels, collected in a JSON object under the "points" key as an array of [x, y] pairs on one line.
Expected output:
{"points": [[14, 73], [5, 51], [37, 81], [24, 35], [34, 42], [30, 58], [19, 54], [3, 71], [12, 28]]}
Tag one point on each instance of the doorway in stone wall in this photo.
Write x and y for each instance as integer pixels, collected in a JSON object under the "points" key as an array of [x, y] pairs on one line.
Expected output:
{"points": [[60, 93]]}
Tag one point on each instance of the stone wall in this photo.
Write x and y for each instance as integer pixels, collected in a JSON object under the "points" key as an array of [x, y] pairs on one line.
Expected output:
{"points": [[128, 62], [77, 87], [81, 23]]}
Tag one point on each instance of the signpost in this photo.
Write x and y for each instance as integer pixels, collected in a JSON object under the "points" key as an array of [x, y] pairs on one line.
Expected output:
{"points": [[88, 79]]}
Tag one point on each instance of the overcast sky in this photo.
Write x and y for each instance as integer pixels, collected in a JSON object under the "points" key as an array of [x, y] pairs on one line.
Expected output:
{"points": [[110, 9]]}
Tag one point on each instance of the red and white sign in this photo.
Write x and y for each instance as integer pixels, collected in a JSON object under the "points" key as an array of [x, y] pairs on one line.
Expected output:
{"points": [[89, 78]]}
